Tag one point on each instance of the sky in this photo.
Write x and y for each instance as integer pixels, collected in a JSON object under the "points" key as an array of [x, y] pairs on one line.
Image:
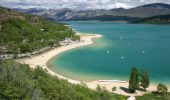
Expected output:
{"points": [[77, 4]]}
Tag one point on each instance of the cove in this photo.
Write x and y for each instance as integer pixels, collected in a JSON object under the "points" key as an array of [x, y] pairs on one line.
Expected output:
{"points": [[112, 56]]}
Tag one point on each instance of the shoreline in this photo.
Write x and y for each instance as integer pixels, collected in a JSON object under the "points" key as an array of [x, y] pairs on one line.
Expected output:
{"points": [[42, 61]]}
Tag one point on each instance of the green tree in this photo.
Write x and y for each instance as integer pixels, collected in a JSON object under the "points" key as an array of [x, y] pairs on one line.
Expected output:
{"points": [[19, 82], [161, 89], [25, 48], [145, 81], [51, 43], [134, 80]]}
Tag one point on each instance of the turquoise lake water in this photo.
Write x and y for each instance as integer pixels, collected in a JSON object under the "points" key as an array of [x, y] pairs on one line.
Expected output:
{"points": [[112, 56]]}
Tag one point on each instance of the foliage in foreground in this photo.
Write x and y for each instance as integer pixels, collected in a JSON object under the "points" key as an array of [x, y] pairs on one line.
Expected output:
{"points": [[18, 81], [153, 97], [160, 94], [161, 90]]}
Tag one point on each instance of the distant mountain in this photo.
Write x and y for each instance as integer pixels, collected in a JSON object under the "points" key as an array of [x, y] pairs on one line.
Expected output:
{"points": [[161, 19], [119, 14], [157, 5], [149, 10]]}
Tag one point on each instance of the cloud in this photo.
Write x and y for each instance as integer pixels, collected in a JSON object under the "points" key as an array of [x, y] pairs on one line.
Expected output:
{"points": [[77, 4]]}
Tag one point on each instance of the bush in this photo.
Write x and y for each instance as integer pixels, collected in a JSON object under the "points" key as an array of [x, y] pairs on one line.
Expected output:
{"points": [[114, 88], [25, 48], [19, 82], [161, 90]]}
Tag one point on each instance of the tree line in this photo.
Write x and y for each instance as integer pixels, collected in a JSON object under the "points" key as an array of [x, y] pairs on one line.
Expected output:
{"points": [[142, 79]]}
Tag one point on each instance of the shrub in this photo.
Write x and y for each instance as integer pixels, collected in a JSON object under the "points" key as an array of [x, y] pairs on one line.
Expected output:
{"points": [[114, 88], [162, 89]]}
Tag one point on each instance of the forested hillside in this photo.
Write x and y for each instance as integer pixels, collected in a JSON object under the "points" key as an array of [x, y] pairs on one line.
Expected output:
{"points": [[19, 82], [161, 19], [21, 33]]}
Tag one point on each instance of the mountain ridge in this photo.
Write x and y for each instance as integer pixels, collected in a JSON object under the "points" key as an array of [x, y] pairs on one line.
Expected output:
{"points": [[148, 10], [160, 19]]}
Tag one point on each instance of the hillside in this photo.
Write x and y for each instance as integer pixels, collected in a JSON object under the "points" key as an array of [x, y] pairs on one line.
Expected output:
{"points": [[161, 19], [19, 82], [119, 14], [22, 33]]}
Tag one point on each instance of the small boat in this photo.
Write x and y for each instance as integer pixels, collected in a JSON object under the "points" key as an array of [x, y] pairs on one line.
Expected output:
{"points": [[122, 57], [143, 51], [107, 51]]}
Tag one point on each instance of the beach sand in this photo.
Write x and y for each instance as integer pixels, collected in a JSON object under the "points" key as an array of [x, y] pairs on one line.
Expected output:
{"points": [[42, 59]]}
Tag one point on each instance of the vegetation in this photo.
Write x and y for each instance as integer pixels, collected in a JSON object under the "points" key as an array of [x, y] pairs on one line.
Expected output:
{"points": [[114, 88], [21, 33], [161, 89], [145, 81], [161, 19], [153, 97], [138, 79], [134, 80], [19, 82]]}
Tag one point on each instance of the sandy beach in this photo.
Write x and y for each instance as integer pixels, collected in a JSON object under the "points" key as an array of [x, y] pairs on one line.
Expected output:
{"points": [[42, 59]]}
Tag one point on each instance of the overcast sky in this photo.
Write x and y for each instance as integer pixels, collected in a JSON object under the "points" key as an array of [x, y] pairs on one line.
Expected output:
{"points": [[77, 4]]}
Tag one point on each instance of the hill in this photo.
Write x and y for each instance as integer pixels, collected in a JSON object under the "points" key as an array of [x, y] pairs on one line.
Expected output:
{"points": [[161, 19], [19, 82], [119, 14], [23, 33]]}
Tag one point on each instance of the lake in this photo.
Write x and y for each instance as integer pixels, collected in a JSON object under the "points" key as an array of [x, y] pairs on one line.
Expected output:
{"points": [[112, 56]]}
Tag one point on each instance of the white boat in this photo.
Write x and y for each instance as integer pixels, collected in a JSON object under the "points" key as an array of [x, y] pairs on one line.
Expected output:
{"points": [[107, 51], [143, 51], [122, 57]]}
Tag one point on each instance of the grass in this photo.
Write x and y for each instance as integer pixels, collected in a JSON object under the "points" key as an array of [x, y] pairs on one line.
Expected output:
{"points": [[153, 97]]}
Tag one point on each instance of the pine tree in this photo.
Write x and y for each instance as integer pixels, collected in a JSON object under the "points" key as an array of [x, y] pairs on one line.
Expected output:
{"points": [[145, 81], [134, 80]]}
